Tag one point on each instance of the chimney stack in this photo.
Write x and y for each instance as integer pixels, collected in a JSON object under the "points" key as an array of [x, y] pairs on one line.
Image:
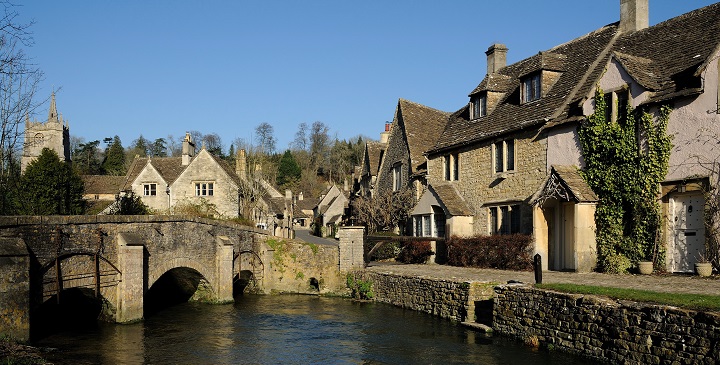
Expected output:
{"points": [[188, 149], [634, 15], [384, 136], [496, 57], [241, 164], [300, 196]]}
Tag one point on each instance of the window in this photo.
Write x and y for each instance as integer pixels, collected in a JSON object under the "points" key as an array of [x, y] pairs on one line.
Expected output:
{"points": [[504, 219], [504, 156], [479, 106], [530, 90], [204, 189], [149, 189], [616, 105], [452, 167], [397, 177]]}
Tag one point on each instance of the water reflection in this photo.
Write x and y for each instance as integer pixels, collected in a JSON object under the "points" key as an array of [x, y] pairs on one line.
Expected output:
{"points": [[290, 330]]}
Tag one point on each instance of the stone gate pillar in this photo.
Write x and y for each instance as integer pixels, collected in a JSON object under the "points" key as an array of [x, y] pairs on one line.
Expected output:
{"points": [[14, 289], [224, 269], [131, 260], [351, 248]]}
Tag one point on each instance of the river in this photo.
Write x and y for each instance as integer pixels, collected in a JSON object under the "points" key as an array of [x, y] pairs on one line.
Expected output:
{"points": [[290, 329]]}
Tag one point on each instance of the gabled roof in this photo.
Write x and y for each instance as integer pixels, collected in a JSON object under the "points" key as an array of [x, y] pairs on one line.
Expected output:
{"points": [[667, 57], [374, 155], [564, 183], [422, 127], [451, 199], [103, 184], [577, 62], [168, 167]]}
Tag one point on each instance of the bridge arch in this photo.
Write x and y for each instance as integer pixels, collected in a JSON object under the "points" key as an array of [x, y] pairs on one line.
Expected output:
{"points": [[157, 271]]}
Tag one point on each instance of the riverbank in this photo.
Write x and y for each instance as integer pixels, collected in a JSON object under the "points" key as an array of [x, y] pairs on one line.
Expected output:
{"points": [[12, 352], [586, 325]]}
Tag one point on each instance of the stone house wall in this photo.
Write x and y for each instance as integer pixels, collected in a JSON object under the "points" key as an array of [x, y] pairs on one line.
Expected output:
{"points": [[480, 186], [149, 175], [204, 168], [397, 152]]}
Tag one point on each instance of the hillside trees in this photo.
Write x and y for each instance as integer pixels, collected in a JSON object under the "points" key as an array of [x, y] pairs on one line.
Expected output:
{"points": [[289, 171], [19, 80]]}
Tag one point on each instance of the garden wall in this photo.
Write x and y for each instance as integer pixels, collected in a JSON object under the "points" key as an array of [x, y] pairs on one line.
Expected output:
{"points": [[615, 332]]}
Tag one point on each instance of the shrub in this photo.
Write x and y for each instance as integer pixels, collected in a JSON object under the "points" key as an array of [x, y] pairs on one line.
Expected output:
{"points": [[506, 252], [415, 252]]}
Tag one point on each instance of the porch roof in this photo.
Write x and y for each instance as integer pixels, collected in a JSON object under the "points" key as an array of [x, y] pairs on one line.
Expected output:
{"points": [[566, 184]]}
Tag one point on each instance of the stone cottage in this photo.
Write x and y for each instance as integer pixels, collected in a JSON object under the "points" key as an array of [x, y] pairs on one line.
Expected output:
{"points": [[511, 155], [203, 180]]}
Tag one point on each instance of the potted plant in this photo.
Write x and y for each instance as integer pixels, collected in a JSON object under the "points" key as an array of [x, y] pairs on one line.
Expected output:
{"points": [[645, 267], [703, 267]]}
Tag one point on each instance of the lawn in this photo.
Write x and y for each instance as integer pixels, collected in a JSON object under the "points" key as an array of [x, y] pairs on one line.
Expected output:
{"points": [[699, 302]]}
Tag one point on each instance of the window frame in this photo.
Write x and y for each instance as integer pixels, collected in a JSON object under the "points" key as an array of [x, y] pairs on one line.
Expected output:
{"points": [[479, 106], [204, 188], [531, 88], [451, 167], [149, 189], [397, 176], [503, 157], [504, 219]]}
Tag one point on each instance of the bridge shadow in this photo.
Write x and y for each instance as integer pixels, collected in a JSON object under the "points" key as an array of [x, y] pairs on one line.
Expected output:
{"points": [[176, 286], [75, 309]]}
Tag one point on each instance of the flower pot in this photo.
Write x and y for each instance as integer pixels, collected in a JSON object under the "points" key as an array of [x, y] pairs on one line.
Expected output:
{"points": [[703, 268], [645, 267]]}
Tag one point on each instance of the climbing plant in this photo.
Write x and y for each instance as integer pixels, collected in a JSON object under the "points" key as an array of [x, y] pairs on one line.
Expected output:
{"points": [[625, 161]]}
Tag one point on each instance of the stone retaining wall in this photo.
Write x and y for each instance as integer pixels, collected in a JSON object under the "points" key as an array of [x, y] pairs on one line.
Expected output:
{"points": [[616, 332], [447, 299]]}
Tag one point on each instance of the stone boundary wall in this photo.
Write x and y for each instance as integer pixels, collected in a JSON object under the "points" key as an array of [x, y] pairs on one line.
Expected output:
{"points": [[616, 332], [301, 268], [13, 221], [455, 300]]}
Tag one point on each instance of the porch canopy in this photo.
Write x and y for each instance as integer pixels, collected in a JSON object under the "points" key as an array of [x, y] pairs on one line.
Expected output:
{"points": [[564, 221]]}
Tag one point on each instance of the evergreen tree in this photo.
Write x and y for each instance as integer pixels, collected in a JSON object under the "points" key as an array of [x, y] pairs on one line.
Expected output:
{"points": [[114, 163], [50, 186], [288, 170], [86, 159], [158, 148]]}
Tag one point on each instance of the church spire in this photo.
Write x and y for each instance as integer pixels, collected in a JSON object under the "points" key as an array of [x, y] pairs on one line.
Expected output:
{"points": [[52, 114]]}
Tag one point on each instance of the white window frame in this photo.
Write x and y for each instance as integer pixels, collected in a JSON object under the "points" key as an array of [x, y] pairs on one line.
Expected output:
{"points": [[204, 188], [501, 154], [531, 89], [149, 189]]}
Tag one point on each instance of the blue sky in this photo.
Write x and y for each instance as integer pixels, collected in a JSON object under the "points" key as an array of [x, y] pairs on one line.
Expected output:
{"points": [[161, 68]]}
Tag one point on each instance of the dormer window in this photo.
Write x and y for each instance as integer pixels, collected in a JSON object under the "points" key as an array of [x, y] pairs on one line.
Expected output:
{"points": [[531, 87], [479, 106]]}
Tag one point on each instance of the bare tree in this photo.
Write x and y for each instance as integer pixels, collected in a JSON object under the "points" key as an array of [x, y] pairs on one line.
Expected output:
{"points": [[19, 80], [384, 211], [319, 144], [265, 135]]}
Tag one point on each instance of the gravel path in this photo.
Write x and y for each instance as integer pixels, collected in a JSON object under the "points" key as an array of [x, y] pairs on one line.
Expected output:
{"points": [[690, 284]]}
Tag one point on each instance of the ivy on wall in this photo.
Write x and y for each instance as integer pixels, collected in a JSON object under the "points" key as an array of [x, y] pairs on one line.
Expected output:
{"points": [[625, 161]]}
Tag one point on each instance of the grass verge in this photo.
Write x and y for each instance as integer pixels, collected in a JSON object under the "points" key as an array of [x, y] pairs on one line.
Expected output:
{"points": [[701, 302]]}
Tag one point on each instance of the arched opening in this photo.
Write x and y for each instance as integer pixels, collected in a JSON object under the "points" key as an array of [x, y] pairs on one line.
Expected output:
{"points": [[314, 284], [241, 282], [75, 308], [176, 286]]}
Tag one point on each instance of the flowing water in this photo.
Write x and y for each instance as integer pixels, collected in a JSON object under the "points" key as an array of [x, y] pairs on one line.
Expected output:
{"points": [[290, 330]]}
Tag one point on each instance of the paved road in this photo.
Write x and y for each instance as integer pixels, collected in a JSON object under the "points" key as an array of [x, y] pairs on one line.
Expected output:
{"points": [[661, 283], [304, 235]]}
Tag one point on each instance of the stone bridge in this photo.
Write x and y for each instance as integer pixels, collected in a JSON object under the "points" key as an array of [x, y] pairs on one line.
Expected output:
{"points": [[127, 263]]}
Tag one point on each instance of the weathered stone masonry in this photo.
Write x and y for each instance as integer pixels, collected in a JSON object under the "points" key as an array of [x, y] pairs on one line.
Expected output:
{"points": [[620, 333]]}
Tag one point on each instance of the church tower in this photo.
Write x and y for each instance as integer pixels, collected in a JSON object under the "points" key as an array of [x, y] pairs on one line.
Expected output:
{"points": [[53, 134]]}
